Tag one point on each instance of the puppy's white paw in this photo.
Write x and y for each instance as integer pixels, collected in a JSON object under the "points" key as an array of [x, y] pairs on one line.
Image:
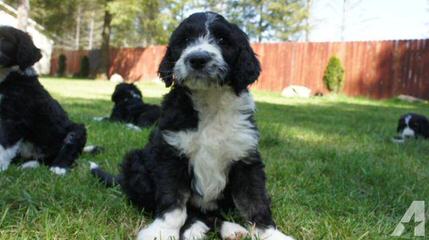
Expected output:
{"points": [[4, 166], [155, 231], [98, 119], [270, 234], [93, 165], [30, 164], [59, 171], [196, 231], [232, 231], [133, 127]]}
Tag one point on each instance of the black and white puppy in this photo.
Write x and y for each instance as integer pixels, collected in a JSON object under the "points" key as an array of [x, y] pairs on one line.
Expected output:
{"points": [[130, 108], [202, 159], [33, 125], [412, 125]]}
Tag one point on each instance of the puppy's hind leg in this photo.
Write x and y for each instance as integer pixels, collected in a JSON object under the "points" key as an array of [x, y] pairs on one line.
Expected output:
{"points": [[72, 147]]}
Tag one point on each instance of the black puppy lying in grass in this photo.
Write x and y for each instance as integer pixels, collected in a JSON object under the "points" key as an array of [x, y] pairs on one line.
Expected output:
{"points": [[130, 108], [412, 125]]}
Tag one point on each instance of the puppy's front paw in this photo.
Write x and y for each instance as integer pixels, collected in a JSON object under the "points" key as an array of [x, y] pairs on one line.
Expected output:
{"points": [[99, 119], [58, 170], [196, 231], [3, 166], [270, 234], [232, 231], [30, 164], [156, 232], [133, 127]]}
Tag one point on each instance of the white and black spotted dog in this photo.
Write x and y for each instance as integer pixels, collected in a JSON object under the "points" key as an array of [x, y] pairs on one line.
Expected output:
{"points": [[412, 125], [33, 125], [202, 159]]}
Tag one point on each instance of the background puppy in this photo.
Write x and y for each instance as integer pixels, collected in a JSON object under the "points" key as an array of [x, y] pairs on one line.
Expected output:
{"points": [[202, 159], [33, 125], [130, 108], [412, 125]]}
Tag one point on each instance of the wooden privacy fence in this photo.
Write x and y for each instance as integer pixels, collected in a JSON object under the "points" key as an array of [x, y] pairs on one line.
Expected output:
{"points": [[377, 69]]}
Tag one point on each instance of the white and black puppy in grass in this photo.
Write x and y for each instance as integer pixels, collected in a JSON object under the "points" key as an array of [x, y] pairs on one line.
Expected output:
{"points": [[33, 125], [202, 159], [412, 125], [130, 108]]}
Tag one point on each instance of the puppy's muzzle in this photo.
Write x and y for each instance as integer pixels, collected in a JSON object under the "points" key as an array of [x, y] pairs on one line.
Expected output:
{"points": [[198, 60]]}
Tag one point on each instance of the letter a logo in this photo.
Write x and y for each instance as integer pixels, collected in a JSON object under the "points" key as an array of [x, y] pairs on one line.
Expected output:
{"points": [[417, 209]]}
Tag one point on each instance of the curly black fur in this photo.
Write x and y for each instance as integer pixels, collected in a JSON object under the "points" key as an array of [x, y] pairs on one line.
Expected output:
{"points": [[160, 177], [130, 108], [32, 123]]}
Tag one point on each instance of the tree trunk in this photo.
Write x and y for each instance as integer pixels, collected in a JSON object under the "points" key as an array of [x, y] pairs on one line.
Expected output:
{"points": [[23, 14], [307, 20], [260, 22], [343, 20], [78, 23], [91, 32], [103, 71]]}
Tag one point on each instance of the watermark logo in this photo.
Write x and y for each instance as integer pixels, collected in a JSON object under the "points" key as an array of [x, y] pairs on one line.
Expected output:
{"points": [[416, 211]]}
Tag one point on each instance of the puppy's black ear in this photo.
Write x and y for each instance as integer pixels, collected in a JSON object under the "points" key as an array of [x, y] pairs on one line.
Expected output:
{"points": [[165, 70], [117, 94], [27, 53], [247, 67]]}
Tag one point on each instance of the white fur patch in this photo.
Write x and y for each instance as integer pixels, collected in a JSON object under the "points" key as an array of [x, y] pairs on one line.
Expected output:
{"points": [[166, 227], [99, 119], [93, 165], [224, 135], [30, 72], [89, 148], [408, 132], [197, 231], [59, 171], [216, 68], [270, 234], [407, 119], [30, 164], [133, 127], [7, 154], [230, 230]]}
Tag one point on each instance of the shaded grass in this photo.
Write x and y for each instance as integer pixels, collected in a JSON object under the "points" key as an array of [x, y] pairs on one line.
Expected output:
{"points": [[332, 171]]}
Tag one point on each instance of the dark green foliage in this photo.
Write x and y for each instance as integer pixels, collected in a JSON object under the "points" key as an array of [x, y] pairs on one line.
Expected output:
{"points": [[334, 75], [62, 65], [84, 67]]}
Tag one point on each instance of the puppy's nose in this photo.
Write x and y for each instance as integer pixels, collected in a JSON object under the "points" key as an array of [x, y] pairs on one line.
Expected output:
{"points": [[199, 60]]}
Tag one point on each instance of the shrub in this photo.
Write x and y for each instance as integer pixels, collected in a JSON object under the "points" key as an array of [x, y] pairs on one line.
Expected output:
{"points": [[334, 75], [84, 67], [62, 64]]}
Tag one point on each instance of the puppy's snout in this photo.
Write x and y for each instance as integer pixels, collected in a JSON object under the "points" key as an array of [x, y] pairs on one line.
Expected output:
{"points": [[198, 60]]}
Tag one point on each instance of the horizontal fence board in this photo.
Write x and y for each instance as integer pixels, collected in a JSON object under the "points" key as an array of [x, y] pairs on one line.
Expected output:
{"points": [[376, 69]]}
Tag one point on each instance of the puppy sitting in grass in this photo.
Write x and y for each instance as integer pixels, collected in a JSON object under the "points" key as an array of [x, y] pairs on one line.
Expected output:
{"points": [[33, 125], [202, 159]]}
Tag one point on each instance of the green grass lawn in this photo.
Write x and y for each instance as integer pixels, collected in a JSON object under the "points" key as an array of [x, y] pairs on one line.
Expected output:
{"points": [[332, 171]]}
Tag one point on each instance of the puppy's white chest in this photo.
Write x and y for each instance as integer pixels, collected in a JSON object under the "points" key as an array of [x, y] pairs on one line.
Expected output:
{"points": [[224, 135]]}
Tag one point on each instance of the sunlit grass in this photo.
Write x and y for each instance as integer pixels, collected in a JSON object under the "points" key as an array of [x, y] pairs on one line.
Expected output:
{"points": [[332, 171]]}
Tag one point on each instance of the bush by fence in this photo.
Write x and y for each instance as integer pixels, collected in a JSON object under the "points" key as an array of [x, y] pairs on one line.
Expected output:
{"points": [[334, 75], [380, 69]]}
